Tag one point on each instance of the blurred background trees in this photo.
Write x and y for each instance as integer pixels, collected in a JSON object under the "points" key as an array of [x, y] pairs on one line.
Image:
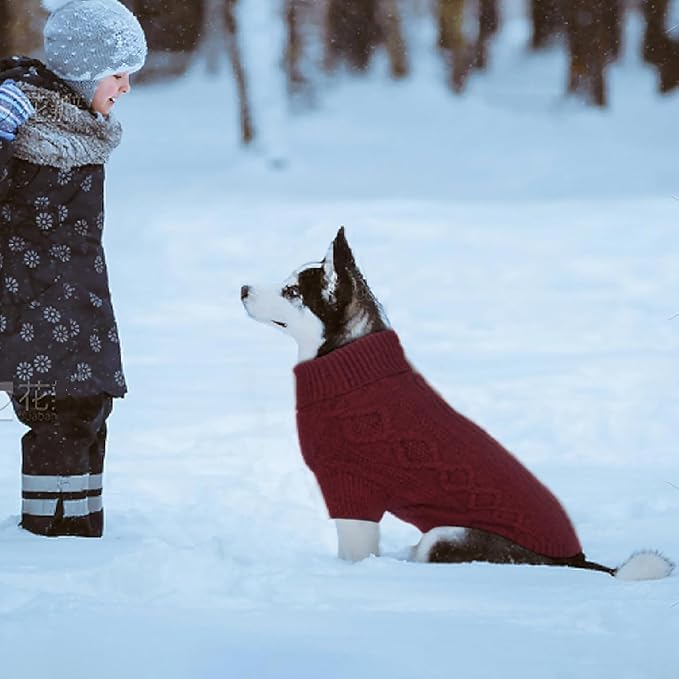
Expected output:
{"points": [[464, 30], [660, 48], [594, 32], [326, 37], [21, 23]]}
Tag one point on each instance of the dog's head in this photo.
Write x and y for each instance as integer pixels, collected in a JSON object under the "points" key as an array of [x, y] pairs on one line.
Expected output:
{"points": [[322, 305]]}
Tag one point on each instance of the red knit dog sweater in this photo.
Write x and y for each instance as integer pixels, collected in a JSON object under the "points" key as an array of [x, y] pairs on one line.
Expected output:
{"points": [[379, 438]]}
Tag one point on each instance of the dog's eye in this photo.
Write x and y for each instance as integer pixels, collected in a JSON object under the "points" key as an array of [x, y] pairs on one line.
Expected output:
{"points": [[291, 291]]}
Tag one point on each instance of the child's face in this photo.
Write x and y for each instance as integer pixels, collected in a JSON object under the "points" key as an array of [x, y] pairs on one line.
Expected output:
{"points": [[108, 91]]}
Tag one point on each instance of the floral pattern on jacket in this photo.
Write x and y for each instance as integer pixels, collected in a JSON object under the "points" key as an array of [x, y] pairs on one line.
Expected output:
{"points": [[57, 325]]}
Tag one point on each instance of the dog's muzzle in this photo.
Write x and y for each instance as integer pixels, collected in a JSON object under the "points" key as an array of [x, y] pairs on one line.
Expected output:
{"points": [[244, 292]]}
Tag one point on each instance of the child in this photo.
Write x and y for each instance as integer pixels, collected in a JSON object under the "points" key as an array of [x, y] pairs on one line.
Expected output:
{"points": [[59, 352]]}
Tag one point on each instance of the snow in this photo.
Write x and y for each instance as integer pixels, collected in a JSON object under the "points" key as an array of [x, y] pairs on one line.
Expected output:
{"points": [[527, 251]]}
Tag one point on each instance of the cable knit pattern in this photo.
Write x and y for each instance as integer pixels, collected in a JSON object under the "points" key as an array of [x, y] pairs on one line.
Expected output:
{"points": [[379, 438]]}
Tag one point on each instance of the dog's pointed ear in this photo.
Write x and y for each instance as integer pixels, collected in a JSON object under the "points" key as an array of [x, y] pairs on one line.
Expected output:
{"points": [[343, 257], [329, 272], [337, 265]]}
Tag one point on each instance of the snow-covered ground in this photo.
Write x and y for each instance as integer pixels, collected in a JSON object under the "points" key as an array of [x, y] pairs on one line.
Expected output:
{"points": [[527, 251]]}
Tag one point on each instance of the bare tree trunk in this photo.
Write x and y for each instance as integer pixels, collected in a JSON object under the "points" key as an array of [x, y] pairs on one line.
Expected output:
{"points": [[213, 31], [547, 20], [24, 21], [294, 48], [488, 25], [655, 43], [450, 16], [247, 129], [452, 41], [594, 40], [390, 22], [173, 26], [659, 48], [172, 29], [352, 33], [5, 46]]}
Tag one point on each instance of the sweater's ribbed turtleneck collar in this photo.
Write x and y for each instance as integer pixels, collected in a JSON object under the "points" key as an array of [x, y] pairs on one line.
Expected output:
{"points": [[353, 366]]}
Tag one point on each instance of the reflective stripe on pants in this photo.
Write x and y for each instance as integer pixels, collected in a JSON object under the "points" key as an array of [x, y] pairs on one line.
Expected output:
{"points": [[72, 508], [79, 483]]}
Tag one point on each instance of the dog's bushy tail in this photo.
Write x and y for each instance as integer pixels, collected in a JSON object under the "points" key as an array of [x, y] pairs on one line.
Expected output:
{"points": [[644, 565]]}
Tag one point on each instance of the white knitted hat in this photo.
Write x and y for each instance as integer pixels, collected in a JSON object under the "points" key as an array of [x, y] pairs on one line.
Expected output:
{"points": [[88, 40]]}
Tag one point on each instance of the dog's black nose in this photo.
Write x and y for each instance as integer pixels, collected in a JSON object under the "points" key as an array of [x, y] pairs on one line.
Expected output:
{"points": [[244, 291]]}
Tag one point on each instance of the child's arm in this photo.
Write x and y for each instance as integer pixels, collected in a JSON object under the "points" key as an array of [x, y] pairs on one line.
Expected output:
{"points": [[15, 110]]}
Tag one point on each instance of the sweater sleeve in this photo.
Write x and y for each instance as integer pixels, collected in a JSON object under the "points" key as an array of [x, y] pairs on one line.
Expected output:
{"points": [[350, 497], [6, 152]]}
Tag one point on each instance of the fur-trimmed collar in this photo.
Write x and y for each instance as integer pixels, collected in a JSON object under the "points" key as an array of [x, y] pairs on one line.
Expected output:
{"points": [[62, 134]]}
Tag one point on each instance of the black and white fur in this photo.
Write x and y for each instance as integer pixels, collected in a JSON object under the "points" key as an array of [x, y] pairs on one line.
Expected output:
{"points": [[328, 304]]}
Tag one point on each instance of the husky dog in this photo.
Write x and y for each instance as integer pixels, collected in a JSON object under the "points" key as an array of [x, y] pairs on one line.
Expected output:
{"points": [[346, 348]]}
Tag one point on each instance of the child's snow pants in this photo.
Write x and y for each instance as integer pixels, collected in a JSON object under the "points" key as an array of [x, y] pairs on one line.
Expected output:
{"points": [[63, 464]]}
